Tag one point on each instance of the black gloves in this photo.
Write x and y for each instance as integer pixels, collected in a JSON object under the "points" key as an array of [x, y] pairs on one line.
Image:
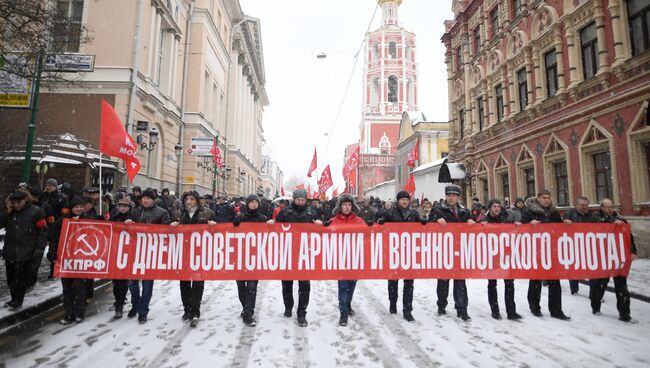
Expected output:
{"points": [[236, 221], [381, 221], [424, 221], [369, 223], [326, 223]]}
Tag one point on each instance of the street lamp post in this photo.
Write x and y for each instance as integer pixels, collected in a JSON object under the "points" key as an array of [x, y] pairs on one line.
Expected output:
{"points": [[27, 164]]}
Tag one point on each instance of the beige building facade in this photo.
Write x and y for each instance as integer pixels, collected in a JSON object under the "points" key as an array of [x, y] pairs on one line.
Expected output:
{"points": [[179, 68]]}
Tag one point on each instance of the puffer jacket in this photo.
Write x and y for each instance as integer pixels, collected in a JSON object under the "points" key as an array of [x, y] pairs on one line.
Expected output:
{"points": [[535, 211], [151, 215], [397, 214], [26, 233], [444, 211], [299, 214], [201, 216]]}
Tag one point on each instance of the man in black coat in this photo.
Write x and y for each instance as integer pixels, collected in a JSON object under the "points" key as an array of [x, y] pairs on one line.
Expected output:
{"points": [[450, 210], [597, 287], [541, 210], [247, 289], [192, 290], [147, 213], [401, 213], [580, 214], [297, 212], [120, 287], [497, 214], [26, 231], [224, 211]]}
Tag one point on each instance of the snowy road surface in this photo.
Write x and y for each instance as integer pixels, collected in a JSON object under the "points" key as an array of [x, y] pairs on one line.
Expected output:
{"points": [[374, 338]]}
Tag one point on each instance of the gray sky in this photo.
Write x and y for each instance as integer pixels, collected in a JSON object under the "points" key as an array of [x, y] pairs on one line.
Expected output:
{"points": [[305, 92]]}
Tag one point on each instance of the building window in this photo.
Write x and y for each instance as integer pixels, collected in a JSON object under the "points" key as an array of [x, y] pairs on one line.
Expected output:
{"points": [[562, 183], [589, 46], [477, 40], [485, 190], [494, 19], [550, 59], [603, 175], [461, 123], [516, 8], [459, 58], [374, 92], [529, 176], [384, 145], [639, 18], [392, 50], [67, 27], [498, 93], [505, 186], [160, 55], [392, 89], [522, 83], [481, 113]]}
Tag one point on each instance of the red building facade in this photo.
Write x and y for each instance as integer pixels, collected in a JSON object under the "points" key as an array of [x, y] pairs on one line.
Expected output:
{"points": [[552, 95]]}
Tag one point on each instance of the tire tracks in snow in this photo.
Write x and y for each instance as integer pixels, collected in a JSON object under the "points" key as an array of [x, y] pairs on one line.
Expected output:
{"points": [[245, 342], [404, 341], [171, 348]]}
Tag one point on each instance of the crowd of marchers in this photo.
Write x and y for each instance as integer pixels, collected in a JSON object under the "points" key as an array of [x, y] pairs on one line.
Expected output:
{"points": [[33, 218]]}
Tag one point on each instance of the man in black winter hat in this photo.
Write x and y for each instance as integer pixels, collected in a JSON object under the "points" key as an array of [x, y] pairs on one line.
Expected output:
{"points": [[401, 213], [450, 210], [297, 212]]}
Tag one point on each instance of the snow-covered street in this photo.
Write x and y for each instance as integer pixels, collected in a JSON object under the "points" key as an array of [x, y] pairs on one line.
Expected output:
{"points": [[374, 338]]}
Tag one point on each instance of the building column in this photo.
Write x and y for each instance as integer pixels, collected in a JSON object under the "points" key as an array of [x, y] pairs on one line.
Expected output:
{"points": [[469, 116], [559, 52], [512, 91], [537, 68], [382, 79], [490, 112], [599, 15], [529, 76], [620, 54], [404, 77], [505, 83], [573, 56], [450, 93]]}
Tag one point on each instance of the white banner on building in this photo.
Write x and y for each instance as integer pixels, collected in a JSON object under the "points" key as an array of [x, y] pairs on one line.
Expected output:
{"points": [[200, 146]]}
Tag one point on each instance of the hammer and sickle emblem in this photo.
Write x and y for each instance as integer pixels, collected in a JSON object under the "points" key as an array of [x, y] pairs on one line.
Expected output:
{"points": [[92, 251]]}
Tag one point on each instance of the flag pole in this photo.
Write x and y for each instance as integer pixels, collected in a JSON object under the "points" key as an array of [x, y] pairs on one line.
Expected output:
{"points": [[100, 184]]}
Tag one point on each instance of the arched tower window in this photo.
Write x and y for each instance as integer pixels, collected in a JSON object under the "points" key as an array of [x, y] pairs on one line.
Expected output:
{"points": [[384, 145], [374, 92], [392, 50], [392, 89]]}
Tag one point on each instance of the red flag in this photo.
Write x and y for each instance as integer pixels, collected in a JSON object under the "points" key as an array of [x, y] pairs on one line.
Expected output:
{"points": [[410, 185], [114, 141], [309, 191], [313, 165], [325, 181], [300, 186], [335, 192], [352, 181], [314, 195], [414, 155], [216, 154], [282, 191], [352, 164]]}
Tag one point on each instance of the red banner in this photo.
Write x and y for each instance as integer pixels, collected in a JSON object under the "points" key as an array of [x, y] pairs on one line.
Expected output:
{"points": [[325, 181], [352, 164], [254, 251]]}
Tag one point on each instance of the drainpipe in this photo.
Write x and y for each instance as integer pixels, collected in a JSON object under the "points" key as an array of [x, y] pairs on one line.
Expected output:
{"points": [[188, 30], [225, 135], [135, 65]]}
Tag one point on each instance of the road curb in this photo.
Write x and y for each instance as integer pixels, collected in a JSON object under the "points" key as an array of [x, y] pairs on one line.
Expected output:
{"points": [[34, 310]]}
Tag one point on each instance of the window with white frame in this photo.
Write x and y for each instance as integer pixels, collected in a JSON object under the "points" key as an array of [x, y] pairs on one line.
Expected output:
{"points": [[67, 27]]}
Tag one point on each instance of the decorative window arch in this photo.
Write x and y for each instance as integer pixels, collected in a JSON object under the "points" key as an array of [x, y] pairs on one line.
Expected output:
{"points": [[516, 42], [527, 183], [545, 17], [598, 164], [638, 143], [502, 188], [557, 171]]}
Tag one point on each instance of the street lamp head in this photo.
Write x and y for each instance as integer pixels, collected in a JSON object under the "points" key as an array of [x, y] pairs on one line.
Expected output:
{"points": [[153, 136], [178, 149]]}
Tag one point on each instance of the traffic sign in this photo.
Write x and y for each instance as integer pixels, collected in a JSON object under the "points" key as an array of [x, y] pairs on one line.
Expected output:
{"points": [[200, 146], [69, 63]]}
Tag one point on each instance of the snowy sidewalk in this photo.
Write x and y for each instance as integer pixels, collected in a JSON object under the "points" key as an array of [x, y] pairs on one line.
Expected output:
{"points": [[374, 337]]}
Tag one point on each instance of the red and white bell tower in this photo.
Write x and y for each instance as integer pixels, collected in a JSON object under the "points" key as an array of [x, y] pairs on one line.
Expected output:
{"points": [[390, 81], [389, 89]]}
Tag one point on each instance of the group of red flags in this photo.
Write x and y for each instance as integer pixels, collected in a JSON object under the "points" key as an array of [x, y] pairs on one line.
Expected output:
{"points": [[325, 181]]}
